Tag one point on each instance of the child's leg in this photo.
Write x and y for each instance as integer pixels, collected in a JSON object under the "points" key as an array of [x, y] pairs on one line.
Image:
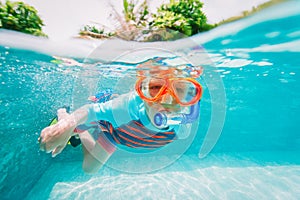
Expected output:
{"points": [[94, 155]]}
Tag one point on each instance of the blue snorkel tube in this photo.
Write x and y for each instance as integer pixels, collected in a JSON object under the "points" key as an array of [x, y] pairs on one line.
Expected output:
{"points": [[163, 119]]}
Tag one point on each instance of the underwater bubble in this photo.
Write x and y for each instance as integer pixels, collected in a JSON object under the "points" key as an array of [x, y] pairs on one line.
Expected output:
{"points": [[272, 34], [262, 63], [226, 41], [294, 34]]}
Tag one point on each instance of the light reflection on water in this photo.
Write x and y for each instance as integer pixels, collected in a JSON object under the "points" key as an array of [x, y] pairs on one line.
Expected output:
{"points": [[222, 176], [258, 60]]}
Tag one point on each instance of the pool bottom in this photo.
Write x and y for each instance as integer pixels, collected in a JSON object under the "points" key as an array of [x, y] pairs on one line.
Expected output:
{"points": [[259, 175]]}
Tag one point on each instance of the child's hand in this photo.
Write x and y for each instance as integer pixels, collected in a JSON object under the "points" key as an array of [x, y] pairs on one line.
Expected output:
{"points": [[54, 138]]}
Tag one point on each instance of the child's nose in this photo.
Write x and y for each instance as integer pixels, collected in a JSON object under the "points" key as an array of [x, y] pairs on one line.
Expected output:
{"points": [[167, 99]]}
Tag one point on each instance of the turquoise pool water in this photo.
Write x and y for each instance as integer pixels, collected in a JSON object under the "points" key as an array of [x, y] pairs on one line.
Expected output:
{"points": [[247, 143]]}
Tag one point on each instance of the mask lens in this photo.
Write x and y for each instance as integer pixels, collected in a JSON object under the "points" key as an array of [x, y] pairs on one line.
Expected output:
{"points": [[185, 90], [151, 87]]}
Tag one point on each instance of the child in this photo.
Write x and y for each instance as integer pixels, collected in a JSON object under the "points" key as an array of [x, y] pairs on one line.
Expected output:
{"points": [[149, 117]]}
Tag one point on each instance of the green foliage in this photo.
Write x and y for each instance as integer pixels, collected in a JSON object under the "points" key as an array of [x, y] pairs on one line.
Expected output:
{"points": [[184, 16], [20, 17], [174, 20], [133, 19], [136, 14], [93, 31]]}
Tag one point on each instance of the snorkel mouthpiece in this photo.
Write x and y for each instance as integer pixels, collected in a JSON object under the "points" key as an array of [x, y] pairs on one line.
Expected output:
{"points": [[163, 119]]}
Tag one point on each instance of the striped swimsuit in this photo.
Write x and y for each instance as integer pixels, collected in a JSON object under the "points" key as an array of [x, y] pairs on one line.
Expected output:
{"points": [[133, 134], [129, 131]]}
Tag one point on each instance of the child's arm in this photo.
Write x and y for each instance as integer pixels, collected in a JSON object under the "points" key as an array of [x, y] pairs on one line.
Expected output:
{"points": [[54, 138]]}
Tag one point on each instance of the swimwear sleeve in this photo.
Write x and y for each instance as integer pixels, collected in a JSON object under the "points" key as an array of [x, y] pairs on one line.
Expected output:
{"points": [[121, 110], [118, 111]]}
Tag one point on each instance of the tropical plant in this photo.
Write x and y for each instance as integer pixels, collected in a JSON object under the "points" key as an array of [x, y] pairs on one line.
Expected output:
{"points": [[20, 17], [184, 16], [136, 14], [174, 20], [93, 31], [134, 18]]}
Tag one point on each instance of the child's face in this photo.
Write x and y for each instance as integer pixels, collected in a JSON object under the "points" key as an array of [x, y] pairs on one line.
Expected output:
{"points": [[157, 87], [165, 101], [167, 89]]}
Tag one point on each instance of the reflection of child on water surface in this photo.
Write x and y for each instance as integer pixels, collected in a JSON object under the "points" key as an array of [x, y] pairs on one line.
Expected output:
{"points": [[146, 118]]}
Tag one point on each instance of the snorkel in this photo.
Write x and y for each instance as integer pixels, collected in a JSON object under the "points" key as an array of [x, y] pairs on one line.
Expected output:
{"points": [[164, 118]]}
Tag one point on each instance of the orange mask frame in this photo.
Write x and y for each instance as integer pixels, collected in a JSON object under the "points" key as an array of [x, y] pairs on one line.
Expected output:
{"points": [[168, 88]]}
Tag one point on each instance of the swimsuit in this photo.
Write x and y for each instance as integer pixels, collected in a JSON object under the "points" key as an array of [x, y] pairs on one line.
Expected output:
{"points": [[133, 134], [132, 128]]}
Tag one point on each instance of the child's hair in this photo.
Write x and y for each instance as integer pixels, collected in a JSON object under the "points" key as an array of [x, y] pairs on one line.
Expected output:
{"points": [[152, 68]]}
